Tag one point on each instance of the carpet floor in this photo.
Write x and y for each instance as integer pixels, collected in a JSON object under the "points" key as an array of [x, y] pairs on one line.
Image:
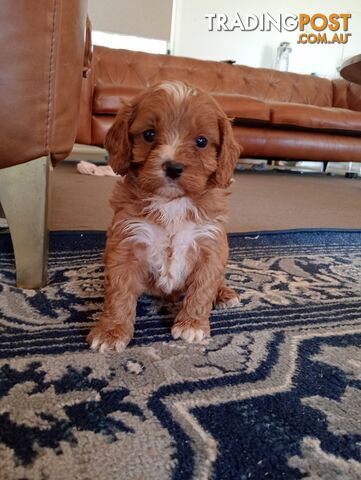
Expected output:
{"points": [[275, 393], [258, 201]]}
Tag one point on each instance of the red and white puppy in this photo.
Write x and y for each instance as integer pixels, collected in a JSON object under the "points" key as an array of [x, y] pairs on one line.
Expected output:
{"points": [[176, 149]]}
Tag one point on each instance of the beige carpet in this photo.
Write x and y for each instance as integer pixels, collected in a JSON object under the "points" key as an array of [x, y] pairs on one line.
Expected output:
{"points": [[259, 201]]}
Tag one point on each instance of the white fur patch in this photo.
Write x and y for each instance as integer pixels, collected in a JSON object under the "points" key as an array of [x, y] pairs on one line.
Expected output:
{"points": [[189, 334], [169, 242], [167, 152], [177, 89], [172, 211]]}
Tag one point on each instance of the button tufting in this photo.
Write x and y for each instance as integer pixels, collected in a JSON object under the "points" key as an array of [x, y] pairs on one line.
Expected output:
{"points": [[285, 87]]}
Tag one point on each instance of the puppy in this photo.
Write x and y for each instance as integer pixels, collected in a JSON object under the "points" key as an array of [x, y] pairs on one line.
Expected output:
{"points": [[175, 147]]}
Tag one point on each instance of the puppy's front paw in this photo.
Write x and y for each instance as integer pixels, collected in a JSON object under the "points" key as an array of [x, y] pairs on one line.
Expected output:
{"points": [[103, 338], [191, 331], [227, 298]]}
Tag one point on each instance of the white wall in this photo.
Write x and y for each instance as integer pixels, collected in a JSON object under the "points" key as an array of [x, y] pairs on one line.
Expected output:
{"points": [[191, 38], [143, 18]]}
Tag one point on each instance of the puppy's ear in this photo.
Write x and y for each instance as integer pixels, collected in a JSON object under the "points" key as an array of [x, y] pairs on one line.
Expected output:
{"points": [[228, 155], [117, 140]]}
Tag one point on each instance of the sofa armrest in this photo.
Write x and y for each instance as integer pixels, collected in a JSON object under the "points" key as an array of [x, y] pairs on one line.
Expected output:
{"points": [[346, 95], [41, 61]]}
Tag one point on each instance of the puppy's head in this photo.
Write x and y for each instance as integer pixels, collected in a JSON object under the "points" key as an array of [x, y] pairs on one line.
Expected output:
{"points": [[175, 139]]}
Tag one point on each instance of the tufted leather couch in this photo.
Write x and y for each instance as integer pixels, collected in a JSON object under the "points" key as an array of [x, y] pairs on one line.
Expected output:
{"points": [[275, 114]]}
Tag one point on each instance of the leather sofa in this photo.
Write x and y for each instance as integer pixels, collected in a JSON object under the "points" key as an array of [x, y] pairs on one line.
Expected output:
{"points": [[41, 63], [276, 115]]}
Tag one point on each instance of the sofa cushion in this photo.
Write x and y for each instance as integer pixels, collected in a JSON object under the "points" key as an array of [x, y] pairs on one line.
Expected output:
{"points": [[309, 117], [245, 110], [263, 142], [100, 125], [108, 99], [243, 107]]}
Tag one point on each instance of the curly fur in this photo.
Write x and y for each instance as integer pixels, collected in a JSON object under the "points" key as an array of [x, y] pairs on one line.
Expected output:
{"points": [[167, 236]]}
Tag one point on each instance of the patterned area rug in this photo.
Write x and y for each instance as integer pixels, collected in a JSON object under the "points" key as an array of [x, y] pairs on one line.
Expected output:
{"points": [[276, 392]]}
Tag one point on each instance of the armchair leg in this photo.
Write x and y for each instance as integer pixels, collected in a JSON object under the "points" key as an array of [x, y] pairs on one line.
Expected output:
{"points": [[24, 197]]}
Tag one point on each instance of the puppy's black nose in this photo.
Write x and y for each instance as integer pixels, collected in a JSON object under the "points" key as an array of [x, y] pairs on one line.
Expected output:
{"points": [[173, 170]]}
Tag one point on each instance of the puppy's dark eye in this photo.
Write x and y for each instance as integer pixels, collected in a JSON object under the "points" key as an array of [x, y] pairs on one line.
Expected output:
{"points": [[201, 141], [149, 135]]}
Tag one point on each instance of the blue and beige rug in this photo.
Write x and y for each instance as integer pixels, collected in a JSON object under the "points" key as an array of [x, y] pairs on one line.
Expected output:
{"points": [[276, 392]]}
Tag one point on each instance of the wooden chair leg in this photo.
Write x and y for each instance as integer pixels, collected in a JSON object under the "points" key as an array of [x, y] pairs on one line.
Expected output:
{"points": [[24, 197]]}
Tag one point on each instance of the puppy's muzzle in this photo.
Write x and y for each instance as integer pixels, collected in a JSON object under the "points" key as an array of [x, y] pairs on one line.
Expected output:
{"points": [[173, 170]]}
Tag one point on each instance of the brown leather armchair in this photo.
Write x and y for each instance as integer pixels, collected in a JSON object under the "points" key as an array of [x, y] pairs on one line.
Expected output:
{"points": [[41, 63]]}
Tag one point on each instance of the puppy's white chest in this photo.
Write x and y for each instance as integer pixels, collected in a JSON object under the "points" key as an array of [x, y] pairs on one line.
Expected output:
{"points": [[169, 243], [168, 253], [168, 249]]}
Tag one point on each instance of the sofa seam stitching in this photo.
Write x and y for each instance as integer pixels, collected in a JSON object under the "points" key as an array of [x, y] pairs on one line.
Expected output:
{"points": [[50, 89]]}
